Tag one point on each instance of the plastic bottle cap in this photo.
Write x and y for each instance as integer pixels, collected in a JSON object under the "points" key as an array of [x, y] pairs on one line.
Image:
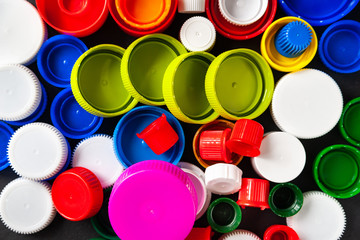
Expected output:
{"points": [[223, 179], [107, 97], [212, 145], [77, 194], [224, 215], [155, 51], [331, 10], [321, 217], [243, 12], [130, 149], [146, 195], [198, 34], [5, 135], [282, 157], [285, 199], [22, 32], [191, 6], [197, 177], [21, 92], [307, 103], [200, 234], [254, 87], [37, 151], [80, 18], [254, 193], [159, 135], [340, 45], [26, 206], [239, 234], [293, 39], [280, 232], [336, 171], [246, 138], [275, 58], [96, 153], [57, 57], [349, 120]]}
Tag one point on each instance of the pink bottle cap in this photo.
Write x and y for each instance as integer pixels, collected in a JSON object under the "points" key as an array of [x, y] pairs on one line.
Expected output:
{"points": [[159, 135], [212, 145], [153, 200], [254, 193]]}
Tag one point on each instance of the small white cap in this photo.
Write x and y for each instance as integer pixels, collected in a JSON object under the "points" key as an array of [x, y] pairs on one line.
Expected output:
{"points": [[37, 151], [22, 32], [198, 34], [20, 92], [96, 153], [242, 12], [197, 177], [223, 178], [26, 206], [191, 6], [239, 234], [282, 157], [307, 103], [321, 217]]}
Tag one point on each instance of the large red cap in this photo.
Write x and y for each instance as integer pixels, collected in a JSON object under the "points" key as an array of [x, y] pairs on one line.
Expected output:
{"points": [[77, 194], [254, 193], [280, 232], [212, 145], [200, 234]]}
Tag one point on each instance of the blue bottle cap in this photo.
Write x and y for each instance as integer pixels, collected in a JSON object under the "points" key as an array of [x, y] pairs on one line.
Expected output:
{"points": [[5, 134], [293, 39], [57, 57], [339, 47], [318, 12], [70, 118], [130, 149]]}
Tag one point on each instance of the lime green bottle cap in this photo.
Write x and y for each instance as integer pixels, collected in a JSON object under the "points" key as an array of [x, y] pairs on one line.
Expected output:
{"points": [[242, 73], [349, 122], [184, 88], [144, 64], [336, 171], [285, 199], [97, 84]]}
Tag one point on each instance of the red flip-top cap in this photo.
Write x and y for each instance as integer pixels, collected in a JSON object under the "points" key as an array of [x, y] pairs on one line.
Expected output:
{"points": [[212, 145]]}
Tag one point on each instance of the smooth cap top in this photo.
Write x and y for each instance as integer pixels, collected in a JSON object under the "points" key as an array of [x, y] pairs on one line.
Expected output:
{"points": [[349, 120], [191, 6], [240, 234], [280, 232], [5, 134], [22, 32], [306, 103], [282, 157]]}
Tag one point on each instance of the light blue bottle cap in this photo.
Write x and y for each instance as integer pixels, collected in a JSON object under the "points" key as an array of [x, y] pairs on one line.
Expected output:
{"points": [[130, 149], [5, 134]]}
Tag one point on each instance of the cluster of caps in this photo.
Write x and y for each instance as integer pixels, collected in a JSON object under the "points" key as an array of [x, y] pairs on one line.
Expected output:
{"points": [[197, 87]]}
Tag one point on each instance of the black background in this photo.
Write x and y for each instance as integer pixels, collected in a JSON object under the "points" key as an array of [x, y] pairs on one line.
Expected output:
{"points": [[253, 219]]}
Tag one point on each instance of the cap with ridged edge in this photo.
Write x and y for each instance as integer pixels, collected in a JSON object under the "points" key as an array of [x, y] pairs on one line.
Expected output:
{"points": [[307, 103], [212, 145], [37, 151], [147, 192], [255, 85], [21, 93], [321, 216], [223, 178], [254, 193], [240, 234], [348, 123], [23, 32], [26, 206], [154, 53], [280, 231], [96, 153], [105, 98], [285, 199], [5, 134], [184, 88], [191, 6]]}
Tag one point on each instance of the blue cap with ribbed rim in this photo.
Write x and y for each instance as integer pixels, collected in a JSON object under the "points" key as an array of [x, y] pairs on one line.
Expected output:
{"points": [[5, 134]]}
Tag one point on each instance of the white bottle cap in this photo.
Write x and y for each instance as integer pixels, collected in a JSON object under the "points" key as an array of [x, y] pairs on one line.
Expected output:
{"points": [[239, 234], [96, 153], [22, 32], [26, 206], [321, 217], [37, 151], [282, 157], [223, 178], [191, 6], [198, 34], [20, 92], [306, 103], [197, 177], [242, 12]]}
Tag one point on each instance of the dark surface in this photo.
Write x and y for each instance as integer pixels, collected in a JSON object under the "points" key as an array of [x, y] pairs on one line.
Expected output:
{"points": [[253, 218]]}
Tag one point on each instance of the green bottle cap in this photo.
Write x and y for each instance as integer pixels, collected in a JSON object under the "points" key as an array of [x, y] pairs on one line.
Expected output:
{"points": [[349, 122], [285, 199]]}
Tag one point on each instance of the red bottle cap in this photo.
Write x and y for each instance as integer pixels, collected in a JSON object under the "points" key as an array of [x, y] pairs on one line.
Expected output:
{"points": [[200, 234], [254, 193], [159, 135], [212, 145], [246, 138], [279, 232], [77, 194]]}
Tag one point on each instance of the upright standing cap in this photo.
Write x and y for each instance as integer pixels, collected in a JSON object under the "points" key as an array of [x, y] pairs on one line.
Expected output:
{"points": [[280, 232], [348, 123], [212, 145], [77, 194], [240, 234], [285, 199], [200, 234], [254, 193], [191, 6], [5, 134]]}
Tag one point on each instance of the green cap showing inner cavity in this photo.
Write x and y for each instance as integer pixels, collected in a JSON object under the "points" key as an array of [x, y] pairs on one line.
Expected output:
{"points": [[285, 199], [349, 122]]}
